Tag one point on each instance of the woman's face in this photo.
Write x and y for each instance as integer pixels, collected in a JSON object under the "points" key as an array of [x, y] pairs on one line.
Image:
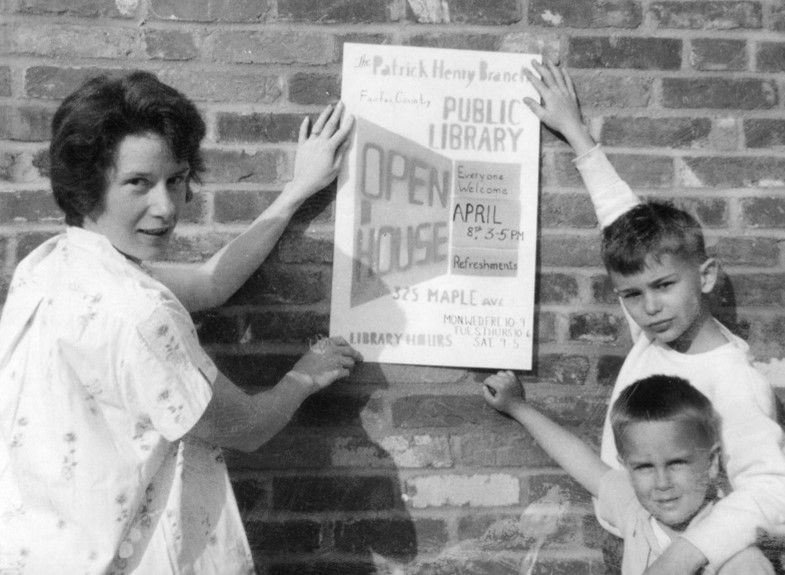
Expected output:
{"points": [[145, 193]]}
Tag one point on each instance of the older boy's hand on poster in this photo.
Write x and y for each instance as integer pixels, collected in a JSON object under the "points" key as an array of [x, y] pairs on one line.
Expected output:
{"points": [[328, 360], [559, 110], [320, 152], [503, 391]]}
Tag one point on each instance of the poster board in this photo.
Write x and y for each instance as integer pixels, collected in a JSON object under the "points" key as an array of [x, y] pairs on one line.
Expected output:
{"points": [[436, 214]]}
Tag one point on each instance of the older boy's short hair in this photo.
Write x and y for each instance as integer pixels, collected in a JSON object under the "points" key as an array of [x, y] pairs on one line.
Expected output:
{"points": [[651, 229], [92, 121], [664, 398]]}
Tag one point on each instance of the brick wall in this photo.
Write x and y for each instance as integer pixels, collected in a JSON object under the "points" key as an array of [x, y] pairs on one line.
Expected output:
{"points": [[404, 465]]}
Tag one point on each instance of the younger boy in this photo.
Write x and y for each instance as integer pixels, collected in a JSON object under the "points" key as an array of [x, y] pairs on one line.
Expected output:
{"points": [[657, 263], [668, 439]]}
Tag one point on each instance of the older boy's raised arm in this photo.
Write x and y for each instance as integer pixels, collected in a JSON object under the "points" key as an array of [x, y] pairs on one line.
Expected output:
{"points": [[561, 112]]}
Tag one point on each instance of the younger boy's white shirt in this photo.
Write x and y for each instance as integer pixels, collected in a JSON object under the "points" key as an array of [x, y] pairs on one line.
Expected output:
{"points": [[752, 441]]}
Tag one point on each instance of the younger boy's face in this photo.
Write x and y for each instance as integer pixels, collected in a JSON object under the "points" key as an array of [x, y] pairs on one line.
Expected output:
{"points": [[670, 470], [665, 299]]}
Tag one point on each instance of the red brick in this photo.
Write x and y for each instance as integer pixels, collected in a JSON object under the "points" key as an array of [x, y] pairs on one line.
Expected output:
{"points": [[596, 328], [29, 207], [563, 369], [603, 90], [722, 93], [5, 81], [170, 45], [78, 8], [608, 367], [771, 57], [567, 210], [655, 132], [556, 288], [309, 88], [332, 494], [358, 37], [283, 326], [226, 86], [254, 370], [439, 411], [195, 247], [25, 123], [337, 408], [733, 172], [555, 527], [348, 11], [234, 206], [570, 14], [264, 166], [195, 211], [7, 163], [510, 446], [216, 327], [757, 252], [387, 537], [51, 82], [707, 15], [602, 290], [488, 12], [313, 248], [625, 52], [764, 133], [716, 54], [256, 128], [639, 171], [277, 284], [287, 450], [272, 47], [291, 536], [545, 327], [484, 42], [570, 251], [759, 289], [212, 10], [710, 212], [70, 41], [764, 212]]}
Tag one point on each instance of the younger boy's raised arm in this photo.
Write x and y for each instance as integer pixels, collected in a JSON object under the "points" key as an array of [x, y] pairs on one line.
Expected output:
{"points": [[505, 393]]}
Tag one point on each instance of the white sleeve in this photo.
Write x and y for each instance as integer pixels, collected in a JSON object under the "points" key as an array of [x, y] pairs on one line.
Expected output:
{"points": [[752, 444], [610, 194]]}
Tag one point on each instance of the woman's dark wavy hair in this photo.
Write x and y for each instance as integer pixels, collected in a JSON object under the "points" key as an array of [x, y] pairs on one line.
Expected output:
{"points": [[651, 229], [92, 121], [664, 398]]}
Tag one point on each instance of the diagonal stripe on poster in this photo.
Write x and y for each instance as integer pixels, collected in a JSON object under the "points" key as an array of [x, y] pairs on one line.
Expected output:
{"points": [[436, 215]]}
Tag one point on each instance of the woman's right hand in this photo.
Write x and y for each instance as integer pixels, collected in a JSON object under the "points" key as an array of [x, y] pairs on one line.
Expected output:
{"points": [[328, 360]]}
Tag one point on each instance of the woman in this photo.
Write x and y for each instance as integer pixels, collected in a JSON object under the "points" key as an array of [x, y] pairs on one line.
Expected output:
{"points": [[111, 415]]}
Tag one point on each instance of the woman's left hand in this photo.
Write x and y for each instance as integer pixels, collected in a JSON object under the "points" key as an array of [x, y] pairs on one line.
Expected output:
{"points": [[320, 150]]}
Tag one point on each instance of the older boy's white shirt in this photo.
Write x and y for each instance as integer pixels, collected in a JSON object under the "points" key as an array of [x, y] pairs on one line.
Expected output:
{"points": [[102, 378], [752, 441]]}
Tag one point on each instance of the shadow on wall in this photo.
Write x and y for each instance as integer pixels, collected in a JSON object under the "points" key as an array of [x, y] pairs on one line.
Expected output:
{"points": [[322, 497]]}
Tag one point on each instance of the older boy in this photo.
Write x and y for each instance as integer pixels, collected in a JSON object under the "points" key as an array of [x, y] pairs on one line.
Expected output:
{"points": [[668, 441], [658, 265]]}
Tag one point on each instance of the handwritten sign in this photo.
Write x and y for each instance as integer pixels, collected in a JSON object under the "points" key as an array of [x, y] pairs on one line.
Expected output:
{"points": [[436, 212]]}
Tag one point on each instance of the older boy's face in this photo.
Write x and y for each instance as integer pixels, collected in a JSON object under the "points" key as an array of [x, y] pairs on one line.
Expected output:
{"points": [[665, 299], [144, 196], [671, 471]]}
